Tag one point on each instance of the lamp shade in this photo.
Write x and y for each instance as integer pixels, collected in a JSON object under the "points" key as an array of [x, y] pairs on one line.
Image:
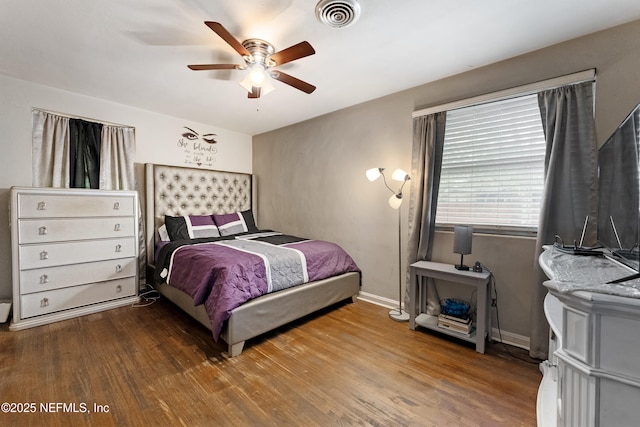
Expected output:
{"points": [[462, 235], [395, 201], [374, 173], [399, 175]]}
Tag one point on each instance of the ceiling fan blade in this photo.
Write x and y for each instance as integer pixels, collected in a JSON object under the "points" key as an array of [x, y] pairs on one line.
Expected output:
{"points": [[226, 36], [292, 53], [255, 92], [292, 81], [214, 67]]}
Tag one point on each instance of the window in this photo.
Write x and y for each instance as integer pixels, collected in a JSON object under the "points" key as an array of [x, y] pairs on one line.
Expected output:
{"points": [[493, 166]]}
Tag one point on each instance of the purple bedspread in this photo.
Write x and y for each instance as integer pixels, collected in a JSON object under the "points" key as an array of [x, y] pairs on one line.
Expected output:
{"points": [[223, 277]]}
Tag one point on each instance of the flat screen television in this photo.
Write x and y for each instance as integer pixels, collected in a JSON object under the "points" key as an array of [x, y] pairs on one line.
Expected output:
{"points": [[619, 192]]}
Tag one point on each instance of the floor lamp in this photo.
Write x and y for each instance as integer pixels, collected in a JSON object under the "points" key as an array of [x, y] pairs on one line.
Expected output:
{"points": [[395, 201]]}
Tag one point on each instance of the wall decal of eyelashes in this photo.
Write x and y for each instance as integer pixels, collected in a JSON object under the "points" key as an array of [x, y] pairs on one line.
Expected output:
{"points": [[192, 135], [198, 149]]}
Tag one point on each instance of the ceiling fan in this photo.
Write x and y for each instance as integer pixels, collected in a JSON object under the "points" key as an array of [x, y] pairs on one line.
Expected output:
{"points": [[260, 57]]}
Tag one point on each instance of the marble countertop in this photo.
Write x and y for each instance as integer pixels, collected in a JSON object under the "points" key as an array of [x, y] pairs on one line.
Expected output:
{"points": [[570, 273]]}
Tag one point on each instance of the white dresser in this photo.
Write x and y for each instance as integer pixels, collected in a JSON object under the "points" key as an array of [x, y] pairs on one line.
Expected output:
{"points": [[74, 252], [592, 377]]}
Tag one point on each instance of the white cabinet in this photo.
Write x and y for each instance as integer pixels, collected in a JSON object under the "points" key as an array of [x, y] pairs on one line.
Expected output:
{"points": [[74, 252], [594, 370]]}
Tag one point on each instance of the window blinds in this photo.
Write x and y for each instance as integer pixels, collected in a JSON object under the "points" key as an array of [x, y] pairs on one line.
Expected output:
{"points": [[493, 165]]}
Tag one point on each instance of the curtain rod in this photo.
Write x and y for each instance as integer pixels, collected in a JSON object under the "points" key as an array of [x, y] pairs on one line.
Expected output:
{"points": [[70, 116], [582, 76]]}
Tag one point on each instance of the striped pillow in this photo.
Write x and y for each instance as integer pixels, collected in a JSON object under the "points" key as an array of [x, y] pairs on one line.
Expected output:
{"points": [[234, 223], [191, 227]]}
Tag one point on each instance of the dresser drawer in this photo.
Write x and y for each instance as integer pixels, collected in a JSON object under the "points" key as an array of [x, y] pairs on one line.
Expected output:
{"points": [[76, 296], [71, 206], [44, 279], [53, 254], [53, 230]]}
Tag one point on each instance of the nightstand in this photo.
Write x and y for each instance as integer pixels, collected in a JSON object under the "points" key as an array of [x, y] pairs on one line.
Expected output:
{"points": [[418, 298]]}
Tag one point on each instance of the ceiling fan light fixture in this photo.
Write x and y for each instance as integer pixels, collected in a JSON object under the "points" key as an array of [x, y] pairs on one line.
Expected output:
{"points": [[257, 76], [338, 13], [259, 59], [267, 87]]}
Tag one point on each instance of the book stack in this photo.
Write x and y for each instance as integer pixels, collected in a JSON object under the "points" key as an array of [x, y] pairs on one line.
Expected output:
{"points": [[461, 325]]}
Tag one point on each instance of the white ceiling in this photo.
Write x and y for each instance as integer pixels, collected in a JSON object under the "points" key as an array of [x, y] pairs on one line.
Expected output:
{"points": [[136, 52]]}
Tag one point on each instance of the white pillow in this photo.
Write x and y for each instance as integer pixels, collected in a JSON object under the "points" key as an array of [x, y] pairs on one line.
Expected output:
{"points": [[162, 231]]}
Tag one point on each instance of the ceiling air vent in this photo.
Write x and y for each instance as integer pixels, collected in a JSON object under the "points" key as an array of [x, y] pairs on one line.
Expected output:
{"points": [[338, 13]]}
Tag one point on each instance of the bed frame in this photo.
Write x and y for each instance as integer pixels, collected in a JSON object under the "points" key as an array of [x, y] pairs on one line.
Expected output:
{"points": [[175, 190]]}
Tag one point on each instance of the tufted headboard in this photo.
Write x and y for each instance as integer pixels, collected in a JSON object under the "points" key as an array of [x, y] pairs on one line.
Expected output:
{"points": [[175, 190]]}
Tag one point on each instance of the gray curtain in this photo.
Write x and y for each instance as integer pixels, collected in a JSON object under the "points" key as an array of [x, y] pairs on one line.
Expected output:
{"points": [[426, 164], [570, 187]]}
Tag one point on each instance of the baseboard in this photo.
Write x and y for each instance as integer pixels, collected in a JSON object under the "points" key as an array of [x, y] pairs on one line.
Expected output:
{"points": [[509, 338], [378, 300]]}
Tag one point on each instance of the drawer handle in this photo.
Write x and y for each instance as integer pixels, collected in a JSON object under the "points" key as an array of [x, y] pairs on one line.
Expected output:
{"points": [[117, 227], [44, 302], [42, 206], [116, 206], [44, 255], [119, 288], [118, 248], [42, 230], [118, 268], [44, 279]]}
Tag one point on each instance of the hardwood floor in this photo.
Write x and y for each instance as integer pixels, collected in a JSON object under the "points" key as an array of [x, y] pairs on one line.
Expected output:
{"points": [[348, 365]]}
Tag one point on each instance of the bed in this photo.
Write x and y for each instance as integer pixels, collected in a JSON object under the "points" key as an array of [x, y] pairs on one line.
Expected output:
{"points": [[179, 191]]}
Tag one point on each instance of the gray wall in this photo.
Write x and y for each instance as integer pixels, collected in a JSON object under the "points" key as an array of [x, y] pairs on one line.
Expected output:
{"points": [[312, 182]]}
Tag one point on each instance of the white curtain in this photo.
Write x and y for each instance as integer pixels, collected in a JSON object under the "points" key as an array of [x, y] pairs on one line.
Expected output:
{"points": [[117, 153], [50, 150]]}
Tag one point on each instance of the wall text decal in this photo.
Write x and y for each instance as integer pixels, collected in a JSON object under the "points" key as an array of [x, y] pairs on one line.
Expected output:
{"points": [[199, 150]]}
